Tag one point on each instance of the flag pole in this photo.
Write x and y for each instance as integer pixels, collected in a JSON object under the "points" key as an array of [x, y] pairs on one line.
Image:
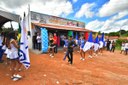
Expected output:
{"points": [[29, 27]]}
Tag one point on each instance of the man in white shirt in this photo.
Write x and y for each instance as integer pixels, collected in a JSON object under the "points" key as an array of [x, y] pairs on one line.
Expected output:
{"points": [[38, 38]]}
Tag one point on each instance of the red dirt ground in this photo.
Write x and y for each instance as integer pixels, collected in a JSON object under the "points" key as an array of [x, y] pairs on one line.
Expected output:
{"points": [[108, 69]]}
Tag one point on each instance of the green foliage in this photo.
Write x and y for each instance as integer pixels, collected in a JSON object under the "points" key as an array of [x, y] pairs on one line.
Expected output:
{"points": [[114, 34], [118, 43]]}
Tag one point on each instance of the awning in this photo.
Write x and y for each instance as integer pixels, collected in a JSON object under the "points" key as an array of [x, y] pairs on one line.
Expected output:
{"points": [[61, 27], [7, 16]]}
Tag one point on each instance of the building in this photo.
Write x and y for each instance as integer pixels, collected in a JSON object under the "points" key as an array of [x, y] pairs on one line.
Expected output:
{"points": [[58, 25]]}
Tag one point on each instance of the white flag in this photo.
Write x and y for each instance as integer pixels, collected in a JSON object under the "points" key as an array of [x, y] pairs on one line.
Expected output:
{"points": [[24, 53]]}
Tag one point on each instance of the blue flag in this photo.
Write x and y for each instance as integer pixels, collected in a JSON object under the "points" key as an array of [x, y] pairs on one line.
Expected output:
{"points": [[90, 38], [102, 37], [97, 40]]}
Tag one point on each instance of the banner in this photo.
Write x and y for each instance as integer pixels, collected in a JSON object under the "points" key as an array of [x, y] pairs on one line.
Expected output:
{"points": [[23, 51]]}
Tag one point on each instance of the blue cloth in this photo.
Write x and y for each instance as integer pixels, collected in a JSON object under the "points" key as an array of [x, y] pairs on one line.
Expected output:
{"points": [[66, 42], [82, 43], [90, 38], [102, 37], [96, 40]]}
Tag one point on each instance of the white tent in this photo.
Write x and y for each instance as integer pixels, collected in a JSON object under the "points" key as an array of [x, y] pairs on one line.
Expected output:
{"points": [[7, 16]]}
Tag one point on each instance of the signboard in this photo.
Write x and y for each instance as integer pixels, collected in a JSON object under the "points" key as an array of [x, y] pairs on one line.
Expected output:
{"points": [[53, 20]]}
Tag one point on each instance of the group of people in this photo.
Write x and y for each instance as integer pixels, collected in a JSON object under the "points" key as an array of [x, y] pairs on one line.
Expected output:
{"points": [[9, 50], [52, 48], [110, 45], [70, 44]]}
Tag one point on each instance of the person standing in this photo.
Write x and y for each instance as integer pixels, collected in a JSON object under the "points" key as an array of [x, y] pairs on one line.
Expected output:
{"points": [[82, 53], [113, 46], [51, 46], [108, 45], [34, 41], [14, 57], [69, 53], [55, 43], [122, 47], [38, 38]]}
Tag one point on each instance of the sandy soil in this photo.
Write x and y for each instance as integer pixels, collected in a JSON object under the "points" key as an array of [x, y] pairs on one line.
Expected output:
{"points": [[108, 69]]}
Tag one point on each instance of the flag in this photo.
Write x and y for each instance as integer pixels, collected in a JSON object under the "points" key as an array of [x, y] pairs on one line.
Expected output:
{"points": [[23, 52], [89, 43], [101, 41], [96, 44], [90, 38], [70, 33], [86, 35], [96, 34], [102, 37], [96, 40], [19, 34]]}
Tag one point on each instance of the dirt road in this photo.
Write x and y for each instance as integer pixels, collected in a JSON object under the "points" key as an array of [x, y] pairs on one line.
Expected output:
{"points": [[108, 69]]}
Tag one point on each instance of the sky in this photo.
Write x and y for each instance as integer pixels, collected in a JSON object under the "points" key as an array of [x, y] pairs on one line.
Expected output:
{"points": [[98, 15]]}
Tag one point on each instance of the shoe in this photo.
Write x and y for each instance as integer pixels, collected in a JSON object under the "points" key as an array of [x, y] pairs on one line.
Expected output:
{"points": [[18, 76], [83, 59], [90, 56], [52, 56], [19, 69], [15, 79]]}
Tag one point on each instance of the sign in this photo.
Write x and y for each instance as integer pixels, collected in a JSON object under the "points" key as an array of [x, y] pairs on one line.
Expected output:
{"points": [[53, 20]]}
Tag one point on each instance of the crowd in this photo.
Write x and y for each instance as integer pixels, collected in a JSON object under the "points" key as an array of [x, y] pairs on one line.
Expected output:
{"points": [[9, 50], [96, 47], [9, 47]]}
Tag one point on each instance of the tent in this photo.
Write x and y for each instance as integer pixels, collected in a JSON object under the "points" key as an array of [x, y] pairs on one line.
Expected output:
{"points": [[7, 16]]}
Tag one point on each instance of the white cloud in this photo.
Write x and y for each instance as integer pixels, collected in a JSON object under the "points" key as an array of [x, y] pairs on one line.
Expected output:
{"points": [[74, 1], [51, 7], [95, 25], [86, 10], [115, 26], [113, 7], [110, 25], [120, 15]]}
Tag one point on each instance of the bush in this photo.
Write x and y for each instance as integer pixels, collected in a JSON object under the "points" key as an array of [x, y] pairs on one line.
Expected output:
{"points": [[118, 43]]}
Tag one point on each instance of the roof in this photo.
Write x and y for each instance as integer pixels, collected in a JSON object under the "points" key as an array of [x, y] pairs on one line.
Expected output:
{"points": [[60, 27], [7, 16]]}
